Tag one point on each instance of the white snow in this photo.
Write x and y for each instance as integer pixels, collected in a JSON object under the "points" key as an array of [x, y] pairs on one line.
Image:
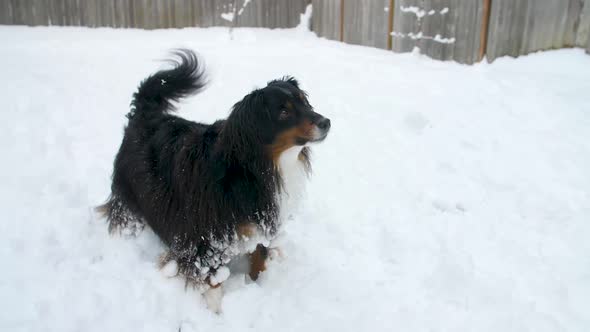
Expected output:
{"points": [[220, 276], [440, 39], [419, 12], [229, 16], [446, 198], [419, 35], [305, 20]]}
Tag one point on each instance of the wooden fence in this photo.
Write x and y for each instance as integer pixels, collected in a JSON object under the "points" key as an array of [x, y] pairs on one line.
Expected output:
{"points": [[460, 30], [153, 14]]}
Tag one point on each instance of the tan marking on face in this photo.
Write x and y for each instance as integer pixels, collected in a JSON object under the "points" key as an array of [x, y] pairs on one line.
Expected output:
{"points": [[289, 105], [287, 139]]}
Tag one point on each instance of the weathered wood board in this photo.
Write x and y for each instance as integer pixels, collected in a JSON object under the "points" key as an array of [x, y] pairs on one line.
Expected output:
{"points": [[441, 29], [325, 21], [153, 14]]}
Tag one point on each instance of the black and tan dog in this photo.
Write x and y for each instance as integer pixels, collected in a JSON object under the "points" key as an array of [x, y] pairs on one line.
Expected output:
{"points": [[211, 191]]}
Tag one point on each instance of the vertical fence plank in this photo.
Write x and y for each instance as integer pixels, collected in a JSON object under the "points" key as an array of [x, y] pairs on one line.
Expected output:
{"points": [[468, 17], [74, 12], [405, 26], [103, 13], [86, 16], [441, 29], [162, 14], [38, 13], [253, 14], [6, 12], [92, 14], [112, 13], [583, 32], [204, 11], [522, 27], [250, 14], [151, 18], [17, 15], [65, 9], [572, 21], [433, 23], [121, 13], [325, 20], [148, 20], [138, 13], [227, 8], [366, 22], [181, 12]]}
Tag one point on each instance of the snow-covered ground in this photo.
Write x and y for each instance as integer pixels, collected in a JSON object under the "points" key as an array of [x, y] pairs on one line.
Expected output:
{"points": [[447, 197]]}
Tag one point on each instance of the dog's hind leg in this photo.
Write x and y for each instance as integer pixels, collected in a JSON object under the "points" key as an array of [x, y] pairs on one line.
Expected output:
{"points": [[120, 218]]}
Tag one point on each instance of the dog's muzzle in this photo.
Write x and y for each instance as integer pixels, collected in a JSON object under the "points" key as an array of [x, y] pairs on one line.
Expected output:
{"points": [[322, 127]]}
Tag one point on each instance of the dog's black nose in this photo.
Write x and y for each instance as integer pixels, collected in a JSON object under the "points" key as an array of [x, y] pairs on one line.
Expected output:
{"points": [[324, 124]]}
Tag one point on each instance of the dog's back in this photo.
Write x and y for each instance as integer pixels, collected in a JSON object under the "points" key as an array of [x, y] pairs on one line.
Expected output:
{"points": [[157, 148]]}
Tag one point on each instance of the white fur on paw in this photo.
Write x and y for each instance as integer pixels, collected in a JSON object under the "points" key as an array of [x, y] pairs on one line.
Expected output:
{"points": [[170, 269], [213, 298], [220, 276]]}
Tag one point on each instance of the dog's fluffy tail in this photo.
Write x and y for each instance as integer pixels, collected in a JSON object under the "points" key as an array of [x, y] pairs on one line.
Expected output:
{"points": [[157, 92]]}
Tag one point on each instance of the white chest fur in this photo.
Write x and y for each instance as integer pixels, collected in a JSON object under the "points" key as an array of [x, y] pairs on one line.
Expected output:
{"points": [[294, 178]]}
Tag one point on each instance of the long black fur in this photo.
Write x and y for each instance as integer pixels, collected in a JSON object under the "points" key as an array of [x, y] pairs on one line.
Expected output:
{"points": [[192, 183]]}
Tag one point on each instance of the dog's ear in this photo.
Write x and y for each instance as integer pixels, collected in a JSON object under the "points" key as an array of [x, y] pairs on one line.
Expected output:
{"points": [[243, 134]]}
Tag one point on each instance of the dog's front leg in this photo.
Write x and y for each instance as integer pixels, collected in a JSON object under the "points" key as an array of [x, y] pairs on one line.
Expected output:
{"points": [[258, 261], [213, 298]]}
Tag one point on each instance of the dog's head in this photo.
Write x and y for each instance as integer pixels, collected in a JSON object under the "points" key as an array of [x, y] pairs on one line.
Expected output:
{"points": [[293, 119], [280, 116]]}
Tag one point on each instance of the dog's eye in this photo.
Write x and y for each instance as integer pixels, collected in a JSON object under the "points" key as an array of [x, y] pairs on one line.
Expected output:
{"points": [[284, 114]]}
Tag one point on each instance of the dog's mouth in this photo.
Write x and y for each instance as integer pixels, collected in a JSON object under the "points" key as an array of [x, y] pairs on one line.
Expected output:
{"points": [[317, 136], [321, 138]]}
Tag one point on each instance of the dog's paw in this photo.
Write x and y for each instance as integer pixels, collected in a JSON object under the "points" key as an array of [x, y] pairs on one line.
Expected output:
{"points": [[213, 298], [170, 269], [220, 276]]}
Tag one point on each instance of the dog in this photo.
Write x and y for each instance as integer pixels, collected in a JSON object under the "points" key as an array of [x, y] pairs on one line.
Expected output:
{"points": [[211, 192]]}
